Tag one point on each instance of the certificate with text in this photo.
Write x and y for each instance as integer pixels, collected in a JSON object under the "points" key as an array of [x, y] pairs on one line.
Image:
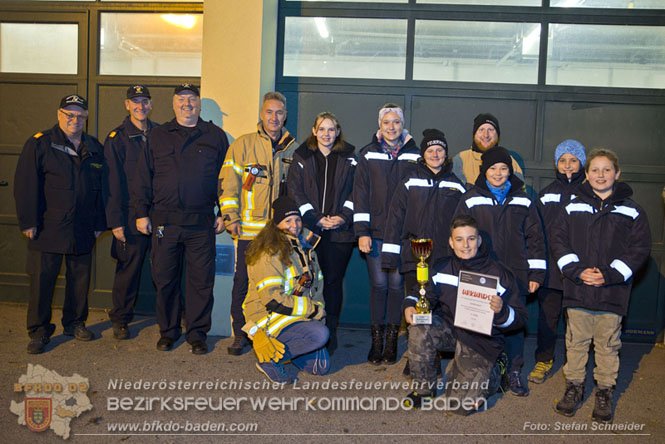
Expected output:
{"points": [[474, 292]]}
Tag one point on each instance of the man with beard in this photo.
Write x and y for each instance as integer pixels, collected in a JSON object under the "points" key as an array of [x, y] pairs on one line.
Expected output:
{"points": [[486, 134]]}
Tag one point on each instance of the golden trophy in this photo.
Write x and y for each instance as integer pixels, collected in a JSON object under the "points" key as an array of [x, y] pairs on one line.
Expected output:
{"points": [[422, 248]]}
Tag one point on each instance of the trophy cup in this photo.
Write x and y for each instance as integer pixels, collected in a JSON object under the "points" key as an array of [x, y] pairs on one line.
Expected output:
{"points": [[422, 248]]}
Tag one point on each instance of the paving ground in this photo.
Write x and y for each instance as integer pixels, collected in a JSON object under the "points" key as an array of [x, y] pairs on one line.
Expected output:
{"points": [[301, 413]]}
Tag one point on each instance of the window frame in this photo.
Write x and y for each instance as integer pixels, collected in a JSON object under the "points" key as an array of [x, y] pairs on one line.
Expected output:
{"points": [[478, 13]]}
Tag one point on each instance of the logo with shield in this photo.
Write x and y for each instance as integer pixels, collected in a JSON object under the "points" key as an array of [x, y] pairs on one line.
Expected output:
{"points": [[38, 413]]}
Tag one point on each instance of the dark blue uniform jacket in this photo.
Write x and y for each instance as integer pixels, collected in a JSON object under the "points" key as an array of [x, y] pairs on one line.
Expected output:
{"points": [[59, 191], [122, 150], [176, 178], [612, 235]]}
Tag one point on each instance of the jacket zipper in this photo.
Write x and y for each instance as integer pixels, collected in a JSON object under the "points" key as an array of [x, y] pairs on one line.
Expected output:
{"points": [[325, 186]]}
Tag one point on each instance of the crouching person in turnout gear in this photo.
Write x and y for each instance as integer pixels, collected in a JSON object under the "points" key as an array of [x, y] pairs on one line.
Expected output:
{"points": [[479, 366], [284, 305], [600, 240]]}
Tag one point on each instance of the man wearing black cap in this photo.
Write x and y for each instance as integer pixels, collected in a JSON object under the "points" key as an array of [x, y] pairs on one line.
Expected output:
{"points": [[174, 194], [124, 145], [59, 205], [486, 134]]}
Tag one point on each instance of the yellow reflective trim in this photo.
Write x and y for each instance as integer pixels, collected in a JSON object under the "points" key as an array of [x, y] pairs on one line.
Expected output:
{"points": [[112, 135], [257, 225], [230, 164], [272, 280], [38, 135], [281, 322], [229, 203]]}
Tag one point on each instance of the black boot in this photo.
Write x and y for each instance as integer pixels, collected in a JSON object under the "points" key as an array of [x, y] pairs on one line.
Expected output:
{"points": [[602, 411], [390, 352], [572, 399], [376, 350], [331, 323]]}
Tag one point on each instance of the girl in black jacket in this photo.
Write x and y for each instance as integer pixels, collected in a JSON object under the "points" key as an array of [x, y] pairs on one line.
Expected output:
{"points": [[380, 167], [600, 240], [422, 207], [320, 182]]}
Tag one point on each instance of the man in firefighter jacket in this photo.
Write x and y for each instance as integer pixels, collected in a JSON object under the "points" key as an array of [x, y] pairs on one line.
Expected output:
{"points": [[254, 174]]}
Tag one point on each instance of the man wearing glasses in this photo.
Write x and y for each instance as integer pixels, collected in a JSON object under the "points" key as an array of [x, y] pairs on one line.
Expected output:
{"points": [[57, 189]]}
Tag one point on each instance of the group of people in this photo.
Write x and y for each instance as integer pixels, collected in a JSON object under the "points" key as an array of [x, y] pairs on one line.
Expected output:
{"points": [[295, 214]]}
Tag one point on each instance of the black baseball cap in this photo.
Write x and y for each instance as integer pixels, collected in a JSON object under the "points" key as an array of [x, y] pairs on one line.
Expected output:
{"points": [[138, 91], [186, 87], [74, 99]]}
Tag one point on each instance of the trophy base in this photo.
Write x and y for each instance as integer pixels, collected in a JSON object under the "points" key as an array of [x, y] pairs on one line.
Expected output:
{"points": [[422, 319]]}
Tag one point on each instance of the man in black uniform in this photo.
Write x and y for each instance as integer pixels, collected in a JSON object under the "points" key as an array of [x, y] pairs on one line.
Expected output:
{"points": [[124, 145], [174, 192], [59, 205]]}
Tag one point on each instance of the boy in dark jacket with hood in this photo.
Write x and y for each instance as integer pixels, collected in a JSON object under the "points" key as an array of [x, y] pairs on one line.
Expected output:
{"points": [[510, 224]]}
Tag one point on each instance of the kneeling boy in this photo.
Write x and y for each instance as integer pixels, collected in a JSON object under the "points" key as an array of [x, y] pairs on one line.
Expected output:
{"points": [[479, 364]]}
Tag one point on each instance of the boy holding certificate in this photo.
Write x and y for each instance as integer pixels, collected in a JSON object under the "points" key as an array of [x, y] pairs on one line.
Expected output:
{"points": [[479, 364]]}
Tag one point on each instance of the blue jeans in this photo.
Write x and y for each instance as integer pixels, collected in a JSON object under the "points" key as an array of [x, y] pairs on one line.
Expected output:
{"points": [[304, 344], [386, 289]]}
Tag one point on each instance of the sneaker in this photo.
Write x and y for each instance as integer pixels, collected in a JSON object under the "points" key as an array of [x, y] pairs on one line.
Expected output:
{"points": [[38, 344], [517, 386], [274, 372], [79, 332], [414, 400], [602, 411], [120, 331], [504, 380], [540, 372], [238, 346], [498, 380], [572, 399]]}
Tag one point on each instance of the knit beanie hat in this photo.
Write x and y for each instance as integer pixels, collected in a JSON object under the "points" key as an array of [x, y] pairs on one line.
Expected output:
{"points": [[570, 146], [282, 208], [482, 119], [431, 137], [496, 154]]}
